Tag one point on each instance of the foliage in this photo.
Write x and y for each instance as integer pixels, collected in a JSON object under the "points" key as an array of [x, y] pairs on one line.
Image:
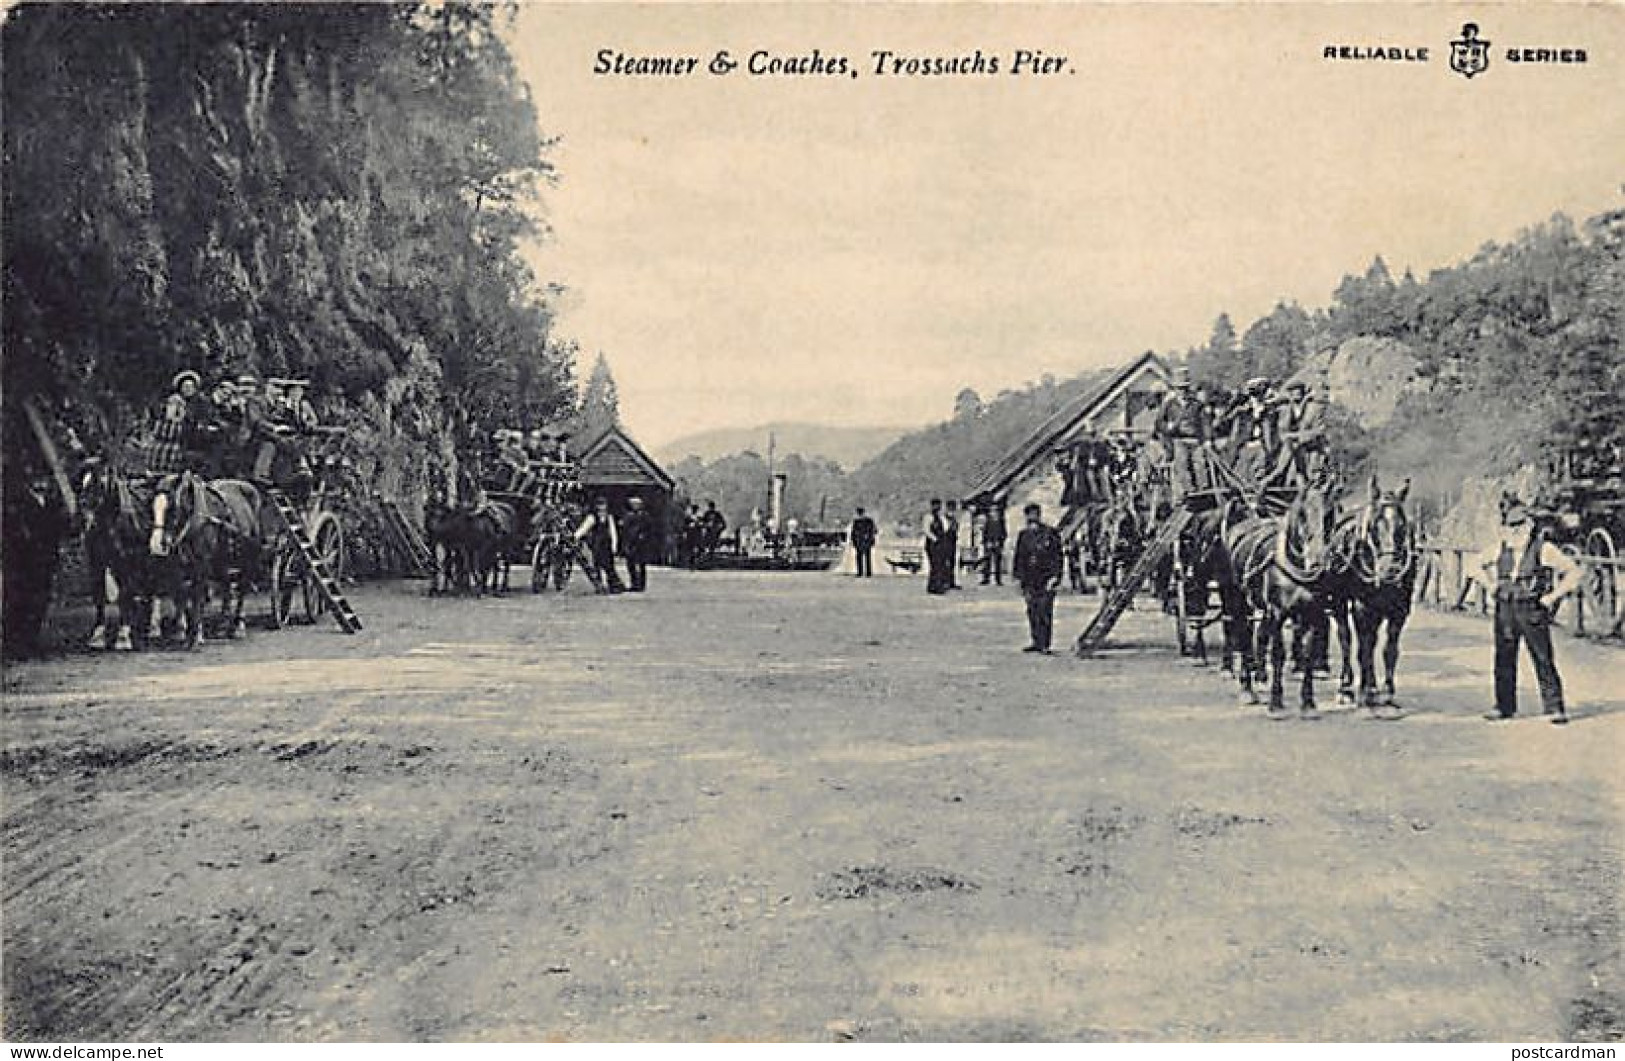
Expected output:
{"points": [[967, 405], [335, 191], [945, 460], [600, 402], [816, 490], [1518, 349], [1514, 346]]}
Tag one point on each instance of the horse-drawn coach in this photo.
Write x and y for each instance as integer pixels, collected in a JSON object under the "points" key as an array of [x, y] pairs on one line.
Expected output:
{"points": [[1586, 469]]}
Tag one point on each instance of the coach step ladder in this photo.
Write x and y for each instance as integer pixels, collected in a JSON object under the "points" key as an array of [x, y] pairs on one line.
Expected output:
{"points": [[407, 539], [1117, 602], [332, 596]]}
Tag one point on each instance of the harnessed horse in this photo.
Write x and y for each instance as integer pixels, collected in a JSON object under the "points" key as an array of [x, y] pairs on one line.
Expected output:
{"points": [[1279, 566], [470, 544], [495, 529], [117, 514], [1377, 545], [1203, 566], [206, 531]]}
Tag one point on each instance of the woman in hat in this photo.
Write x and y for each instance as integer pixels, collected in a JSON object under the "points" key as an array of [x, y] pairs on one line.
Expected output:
{"points": [[168, 452]]}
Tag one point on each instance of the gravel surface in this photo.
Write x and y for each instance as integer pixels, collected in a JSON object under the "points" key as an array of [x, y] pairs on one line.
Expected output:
{"points": [[793, 807]]}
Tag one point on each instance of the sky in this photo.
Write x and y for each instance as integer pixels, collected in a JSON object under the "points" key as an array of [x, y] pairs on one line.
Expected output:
{"points": [[855, 250]]}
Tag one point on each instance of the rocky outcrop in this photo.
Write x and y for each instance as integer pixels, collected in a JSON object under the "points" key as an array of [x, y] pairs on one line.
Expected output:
{"points": [[1366, 375]]}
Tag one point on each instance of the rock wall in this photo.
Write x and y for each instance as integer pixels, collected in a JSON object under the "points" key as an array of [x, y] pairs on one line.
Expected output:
{"points": [[1370, 376]]}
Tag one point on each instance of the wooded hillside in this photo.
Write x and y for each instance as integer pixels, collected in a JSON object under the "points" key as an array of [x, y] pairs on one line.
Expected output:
{"points": [[1508, 350], [333, 191]]}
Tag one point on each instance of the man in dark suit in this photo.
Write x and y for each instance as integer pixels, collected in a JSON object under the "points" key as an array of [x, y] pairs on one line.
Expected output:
{"points": [[936, 531], [994, 535], [637, 544], [1037, 568], [712, 524], [862, 536], [950, 545]]}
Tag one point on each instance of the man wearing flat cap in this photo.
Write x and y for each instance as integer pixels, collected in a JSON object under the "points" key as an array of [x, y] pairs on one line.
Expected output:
{"points": [[1184, 426], [1038, 568], [1304, 429], [1530, 576]]}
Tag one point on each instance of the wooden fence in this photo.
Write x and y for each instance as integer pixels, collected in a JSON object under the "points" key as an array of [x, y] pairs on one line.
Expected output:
{"points": [[1448, 580]]}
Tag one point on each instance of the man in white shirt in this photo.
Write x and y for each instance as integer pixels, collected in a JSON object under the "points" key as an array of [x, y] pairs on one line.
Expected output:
{"points": [[1530, 576], [603, 540]]}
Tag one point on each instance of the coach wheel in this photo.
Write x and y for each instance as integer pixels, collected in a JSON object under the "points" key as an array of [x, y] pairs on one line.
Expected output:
{"points": [[285, 581], [1175, 588], [1601, 579], [328, 538], [539, 557]]}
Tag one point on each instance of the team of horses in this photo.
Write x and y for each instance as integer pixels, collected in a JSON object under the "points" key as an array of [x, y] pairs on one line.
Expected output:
{"points": [[172, 538], [1319, 565], [474, 544], [176, 538]]}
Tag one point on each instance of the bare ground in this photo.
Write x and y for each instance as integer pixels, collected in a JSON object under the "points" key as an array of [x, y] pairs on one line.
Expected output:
{"points": [[793, 807]]}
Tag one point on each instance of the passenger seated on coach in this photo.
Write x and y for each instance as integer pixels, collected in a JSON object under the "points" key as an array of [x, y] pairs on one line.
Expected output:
{"points": [[298, 410], [173, 444]]}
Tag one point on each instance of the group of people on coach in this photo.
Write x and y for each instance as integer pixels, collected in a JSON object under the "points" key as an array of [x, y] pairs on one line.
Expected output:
{"points": [[236, 427]]}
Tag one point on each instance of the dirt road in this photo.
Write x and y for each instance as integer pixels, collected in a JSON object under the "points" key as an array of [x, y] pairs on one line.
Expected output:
{"points": [[793, 807]]}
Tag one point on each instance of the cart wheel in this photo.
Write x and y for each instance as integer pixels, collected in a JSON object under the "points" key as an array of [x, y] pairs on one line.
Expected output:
{"points": [[1176, 582], [540, 559], [1601, 586], [285, 580], [328, 538]]}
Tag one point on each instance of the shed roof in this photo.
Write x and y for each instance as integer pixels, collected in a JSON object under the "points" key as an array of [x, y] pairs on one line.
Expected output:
{"points": [[1020, 460], [611, 457]]}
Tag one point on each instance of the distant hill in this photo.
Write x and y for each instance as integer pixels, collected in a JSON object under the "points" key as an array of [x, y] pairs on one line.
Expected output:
{"points": [[946, 459], [846, 446]]}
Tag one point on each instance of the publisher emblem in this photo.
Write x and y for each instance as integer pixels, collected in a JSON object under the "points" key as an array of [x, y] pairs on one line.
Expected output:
{"points": [[1469, 55]]}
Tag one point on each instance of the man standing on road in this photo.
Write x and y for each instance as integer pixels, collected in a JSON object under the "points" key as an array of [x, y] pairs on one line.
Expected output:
{"points": [[1521, 565], [950, 544], [712, 525], [936, 529], [693, 538], [1037, 568], [637, 543], [862, 536], [993, 539], [603, 539]]}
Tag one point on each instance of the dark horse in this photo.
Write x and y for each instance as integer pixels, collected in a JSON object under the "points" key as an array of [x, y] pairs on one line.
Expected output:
{"points": [[445, 527], [1200, 570], [471, 543], [117, 512], [1279, 566], [1376, 545], [206, 531], [501, 529]]}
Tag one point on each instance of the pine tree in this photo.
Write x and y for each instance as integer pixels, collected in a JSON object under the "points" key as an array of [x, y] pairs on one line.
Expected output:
{"points": [[601, 403]]}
